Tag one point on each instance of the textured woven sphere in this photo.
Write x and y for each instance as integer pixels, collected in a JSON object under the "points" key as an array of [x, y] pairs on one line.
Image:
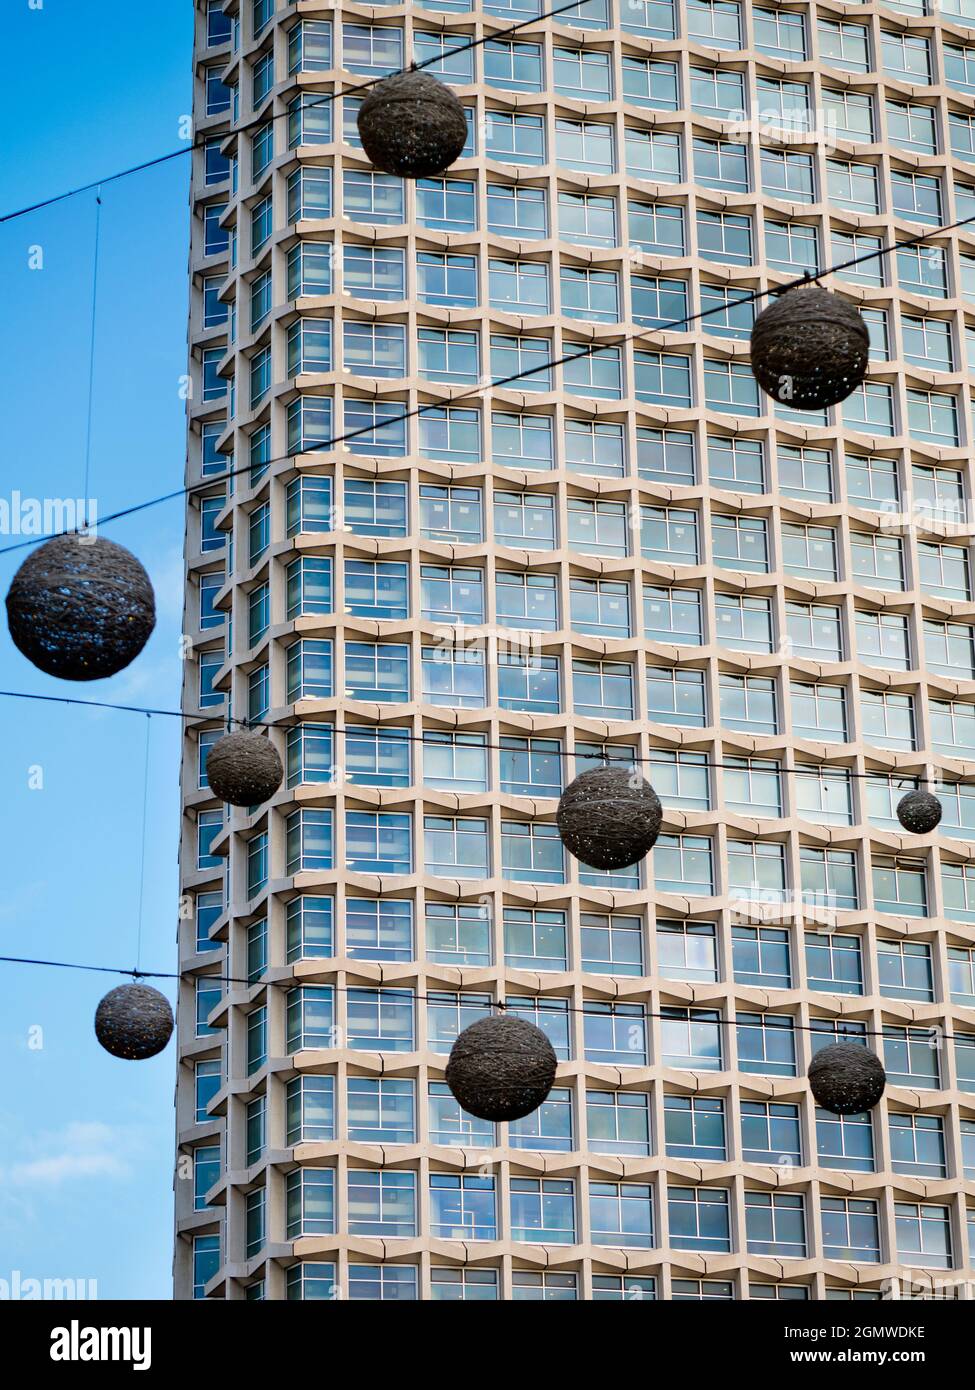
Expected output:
{"points": [[133, 1021], [847, 1078], [501, 1068], [919, 812], [412, 125], [244, 769], [80, 609], [810, 348], [609, 817]]}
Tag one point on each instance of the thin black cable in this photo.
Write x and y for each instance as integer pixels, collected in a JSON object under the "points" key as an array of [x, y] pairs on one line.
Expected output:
{"points": [[91, 352], [588, 350], [145, 826], [320, 99], [593, 1009], [431, 737], [95, 183]]}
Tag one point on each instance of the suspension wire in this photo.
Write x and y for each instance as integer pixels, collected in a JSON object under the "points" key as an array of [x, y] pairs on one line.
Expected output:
{"points": [[85, 492], [145, 824], [433, 736], [593, 1009], [312, 99], [587, 350]]}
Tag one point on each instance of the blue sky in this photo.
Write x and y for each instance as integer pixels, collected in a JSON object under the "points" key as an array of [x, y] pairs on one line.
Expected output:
{"points": [[86, 1156]]}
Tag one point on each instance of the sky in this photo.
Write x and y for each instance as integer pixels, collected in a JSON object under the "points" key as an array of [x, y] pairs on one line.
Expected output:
{"points": [[86, 1140]]}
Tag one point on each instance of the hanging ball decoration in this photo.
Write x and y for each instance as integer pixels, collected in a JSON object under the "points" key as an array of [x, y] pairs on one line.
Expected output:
{"points": [[609, 817], [80, 608], [919, 812], [847, 1078], [134, 1021], [412, 125], [244, 769], [501, 1068], [810, 348]]}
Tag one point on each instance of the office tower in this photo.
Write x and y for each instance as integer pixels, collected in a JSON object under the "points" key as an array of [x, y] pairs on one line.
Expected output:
{"points": [[630, 553]]}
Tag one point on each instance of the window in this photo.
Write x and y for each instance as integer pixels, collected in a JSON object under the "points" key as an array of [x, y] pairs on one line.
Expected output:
{"points": [[451, 594], [672, 615], [687, 951], [379, 928], [683, 780], [451, 1126], [900, 887], [463, 1206], [651, 83], [761, 956], [654, 155], [845, 1141], [549, 1127], [669, 535], [309, 927], [513, 65], [911, 1058], [381, 1203], [590, 294], [657, 228], [517, 211], [603, 689], [851, 1229], [535, 939], [588, 218], [532, 852], [722, 165], [819, 712], [770, 1133], [666, 456], [730, 388], [829, 879], [621, 1214], [853, 186], [546, 1287], [725, 237], [374, 1281], [618, 1122], [695, 1127], [766, 1044], [543, 1210], [699, 1217], [923, 1234], [456, 846], [378, 843], [740, 542], [775, 1224], [917, 1144], [612, 943], [615, 1034], [780, 34], [690, 1039], [743, 623]]}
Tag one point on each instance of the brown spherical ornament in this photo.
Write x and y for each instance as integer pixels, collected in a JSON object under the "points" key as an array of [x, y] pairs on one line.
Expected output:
{"points": [[80, 608], [810, 348], [501, 1068], [846, 1078], [412, 125], [609, 817], [134, 1021], [919, 812], [244, 769]]}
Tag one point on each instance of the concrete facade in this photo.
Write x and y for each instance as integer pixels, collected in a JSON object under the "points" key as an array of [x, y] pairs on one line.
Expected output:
{"points": [[634, 552]]}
